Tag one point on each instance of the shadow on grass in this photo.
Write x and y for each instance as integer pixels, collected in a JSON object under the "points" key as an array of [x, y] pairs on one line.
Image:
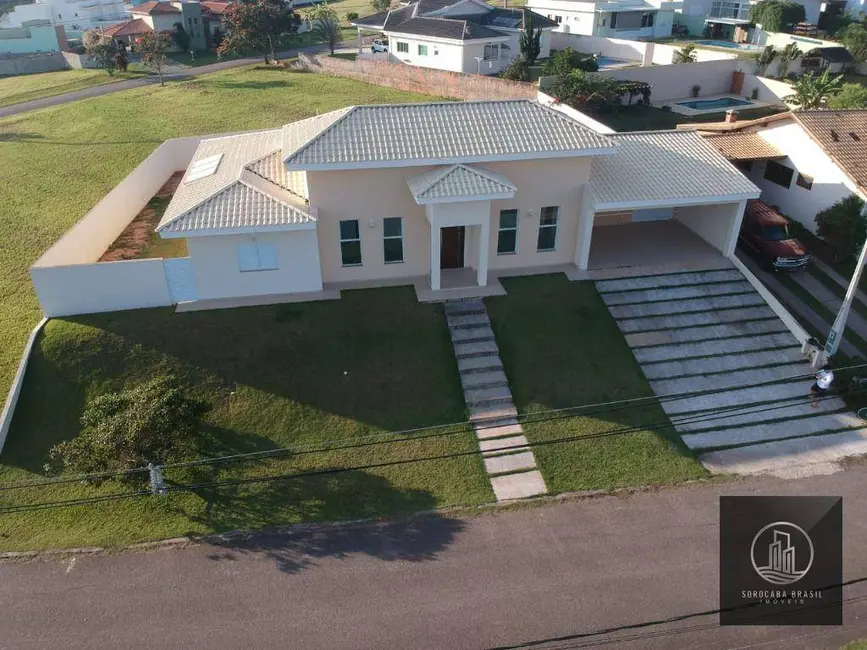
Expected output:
{"points": [[21, 137]]}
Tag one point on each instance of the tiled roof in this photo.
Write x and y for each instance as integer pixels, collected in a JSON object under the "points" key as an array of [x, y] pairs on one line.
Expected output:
{"points": [[448, 132], [152, 8], [456, 30], [743, 146], [128, 28], [665, 166], [271, 168], [458, 181], [843, 136], [216, 8], [832, 54], [508, 19]]}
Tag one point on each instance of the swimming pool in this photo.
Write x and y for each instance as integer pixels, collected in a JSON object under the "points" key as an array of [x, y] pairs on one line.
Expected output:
{"points": [[609, 62], [729, 45], [712, 104]]}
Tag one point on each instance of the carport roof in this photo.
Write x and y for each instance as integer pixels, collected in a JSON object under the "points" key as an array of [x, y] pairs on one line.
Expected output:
{"points": [[665, 168]]}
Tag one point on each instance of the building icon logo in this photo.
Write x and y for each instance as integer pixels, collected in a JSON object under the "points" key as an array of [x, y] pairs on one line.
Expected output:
{"points": [[782, 553]]}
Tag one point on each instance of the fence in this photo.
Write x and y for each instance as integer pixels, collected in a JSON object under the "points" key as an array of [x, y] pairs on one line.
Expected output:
{"points": [[421, 80], [15, 64], [616, 48]]}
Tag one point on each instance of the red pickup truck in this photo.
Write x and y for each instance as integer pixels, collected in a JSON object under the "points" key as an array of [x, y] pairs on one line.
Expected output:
{"points": [[765, 234]]}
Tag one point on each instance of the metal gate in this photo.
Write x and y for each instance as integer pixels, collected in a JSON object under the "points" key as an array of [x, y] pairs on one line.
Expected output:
{"points": [[179, 274]]}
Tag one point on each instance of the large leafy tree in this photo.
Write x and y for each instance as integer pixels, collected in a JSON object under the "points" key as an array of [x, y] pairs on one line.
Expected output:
{"points": [[530, 39], [777, 15], [850, 96], [181, 37], [101, 50], [255, 26], [854, 37], [380, 5], [843, 226], [566, 60], [153, 48], [811, 91], [326, 24]]}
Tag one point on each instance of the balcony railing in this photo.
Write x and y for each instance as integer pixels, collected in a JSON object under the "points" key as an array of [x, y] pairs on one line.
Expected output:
{"points": [[741, 13]]}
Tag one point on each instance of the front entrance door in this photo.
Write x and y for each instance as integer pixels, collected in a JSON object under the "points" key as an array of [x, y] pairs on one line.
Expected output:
{"points": [[452, 247]]}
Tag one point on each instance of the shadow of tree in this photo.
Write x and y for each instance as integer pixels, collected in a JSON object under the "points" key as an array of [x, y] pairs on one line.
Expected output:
{"points": [[20, 137]]}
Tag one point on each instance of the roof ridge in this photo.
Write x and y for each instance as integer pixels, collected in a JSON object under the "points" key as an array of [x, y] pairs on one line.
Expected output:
{"points": [[484, 173], [565, 117], [444, 172], [198, 204], [348, 110]]}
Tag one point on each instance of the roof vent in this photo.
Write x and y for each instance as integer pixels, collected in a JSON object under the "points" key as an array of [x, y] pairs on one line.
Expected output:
{"points": [[854, 136], [834, 136], [202, 168]]}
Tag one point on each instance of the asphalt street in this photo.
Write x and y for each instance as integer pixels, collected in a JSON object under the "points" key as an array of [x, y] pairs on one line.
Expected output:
{"points": [[636, 571]]}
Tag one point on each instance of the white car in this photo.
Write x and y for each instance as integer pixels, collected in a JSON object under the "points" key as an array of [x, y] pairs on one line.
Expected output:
{"points": [[379, 46]]}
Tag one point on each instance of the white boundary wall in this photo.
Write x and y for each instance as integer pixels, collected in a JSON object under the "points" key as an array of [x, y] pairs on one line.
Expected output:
{"points": [[670, 82], [664, 54], [771, 91], [616, 48], [17, 382]]}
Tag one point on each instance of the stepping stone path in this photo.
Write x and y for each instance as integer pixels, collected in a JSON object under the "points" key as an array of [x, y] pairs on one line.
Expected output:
{"points": [[508, 460], [710, 333]]}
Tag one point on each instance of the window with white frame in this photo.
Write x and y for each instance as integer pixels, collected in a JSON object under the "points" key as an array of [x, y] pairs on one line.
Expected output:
{"points": [[492, 52], [403, 47], [422, 50], [392, 240], [547, 228], [507, 236], [256, 256], [350, 243]]}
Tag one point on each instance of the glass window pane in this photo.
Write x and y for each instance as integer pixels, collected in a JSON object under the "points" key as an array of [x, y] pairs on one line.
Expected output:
{"points": [[548, 215], [391, 227], [349, 229], [393, 250], [350, 252], [547, 236], [506, 242], [508, 218]]}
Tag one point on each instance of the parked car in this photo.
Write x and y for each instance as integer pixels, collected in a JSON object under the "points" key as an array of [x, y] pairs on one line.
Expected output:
{"points": [[379, 45], [765, 234]]}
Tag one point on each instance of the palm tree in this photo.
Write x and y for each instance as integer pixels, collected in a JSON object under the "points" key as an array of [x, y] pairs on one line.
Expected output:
{"points": [[813, 92], [765, 59], [686, 54], [789, 54]]}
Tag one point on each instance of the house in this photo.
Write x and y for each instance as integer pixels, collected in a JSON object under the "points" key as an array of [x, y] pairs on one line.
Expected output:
{"points": [[628, 19], [803, 161], [29, 40], [72, 15], [834, 59], [458, 35], [447, 196]]}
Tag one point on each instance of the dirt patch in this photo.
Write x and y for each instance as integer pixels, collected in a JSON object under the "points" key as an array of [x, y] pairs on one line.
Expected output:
{"points": [[139, 235]]}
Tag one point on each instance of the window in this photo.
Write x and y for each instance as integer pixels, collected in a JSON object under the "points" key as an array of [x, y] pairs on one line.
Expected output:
{"points": [[403, 47], [507, 239], [776, 233], [647, 19], [350, 243], [558, 19], [256, 256], [492, 52], [392, 239], [805, 181], [779, 174], [422, 50], [547, 228], [613, 21], [202, 168], [744, 165]]}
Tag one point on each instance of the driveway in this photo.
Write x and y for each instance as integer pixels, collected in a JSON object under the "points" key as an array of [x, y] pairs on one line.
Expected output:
{"points": [[710, 332]]}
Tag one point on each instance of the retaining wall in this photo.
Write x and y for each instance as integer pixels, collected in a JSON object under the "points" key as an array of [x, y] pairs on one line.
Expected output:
{"points": [[16, 64]]}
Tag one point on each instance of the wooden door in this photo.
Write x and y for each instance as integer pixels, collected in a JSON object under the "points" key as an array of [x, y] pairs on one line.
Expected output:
{"points": [[452, 247]]}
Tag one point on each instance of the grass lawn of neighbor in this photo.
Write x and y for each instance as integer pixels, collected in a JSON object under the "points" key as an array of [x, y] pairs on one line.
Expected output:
{"points": [[293, 375], [644, 118], [561, 348], [24, 88]]}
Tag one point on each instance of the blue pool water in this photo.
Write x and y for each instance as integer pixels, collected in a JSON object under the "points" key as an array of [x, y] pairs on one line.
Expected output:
{"points": [[722, 102], [609, 62], [729, 45]]}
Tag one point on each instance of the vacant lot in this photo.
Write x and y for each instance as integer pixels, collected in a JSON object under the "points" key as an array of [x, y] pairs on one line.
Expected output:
{"points": [[24, 88], [561, 348]]}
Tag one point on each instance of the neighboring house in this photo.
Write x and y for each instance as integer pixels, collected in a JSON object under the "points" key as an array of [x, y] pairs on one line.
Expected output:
{"points": [[73, 15], [834, 59], [200, 20], [458, 35], [444, 195], [629, 19], [803, 161], [30, 40]]}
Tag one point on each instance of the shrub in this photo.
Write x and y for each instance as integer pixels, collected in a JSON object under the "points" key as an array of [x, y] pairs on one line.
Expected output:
{"points": [[686, 54], [854, 37], [696, 90], [181, 37], [843, 227], [153, 422], [564, 61], [850, 96], [517, 70], [351, 15]]}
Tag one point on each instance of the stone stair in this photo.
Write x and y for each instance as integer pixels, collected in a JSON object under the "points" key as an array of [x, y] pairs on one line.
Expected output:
{"points": [[508, 460]]}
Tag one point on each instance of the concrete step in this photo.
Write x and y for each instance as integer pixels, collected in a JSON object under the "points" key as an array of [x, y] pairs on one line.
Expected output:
{"points": [[479, 349], [484, 379], [509, 463], [518, 486], [472, 335], [685, 306], [491, 413], [479, 364], [462, 307], [502, 445], [789, 458], [469, 320], [689, 334], [773, 431], [717, 347], [668, 280], [717, 317], [674, 369], [753, 414], [666, 294], [507, 426], [736, 378], [737, 397], [491, 395]]}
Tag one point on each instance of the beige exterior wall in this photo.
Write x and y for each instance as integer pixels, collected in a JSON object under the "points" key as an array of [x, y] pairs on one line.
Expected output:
{"points": [[717, 224]]}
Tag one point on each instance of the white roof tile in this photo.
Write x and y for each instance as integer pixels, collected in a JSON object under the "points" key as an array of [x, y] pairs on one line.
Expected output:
{"points": [[271, 168], [665, 166], [458, 181]]}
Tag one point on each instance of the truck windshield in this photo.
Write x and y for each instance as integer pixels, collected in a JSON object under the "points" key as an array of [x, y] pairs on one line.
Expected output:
{"points": [[776, 233]]}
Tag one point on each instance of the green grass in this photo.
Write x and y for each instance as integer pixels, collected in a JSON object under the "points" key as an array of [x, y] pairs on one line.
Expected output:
{"points": [[647, 118], [296, 375], [561, 348], [66, 158], [25, 88], [204, 57]]}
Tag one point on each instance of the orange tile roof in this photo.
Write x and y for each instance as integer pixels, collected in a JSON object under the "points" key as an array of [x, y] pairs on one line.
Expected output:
{"points": [[129, 28], [743, 146], [843, 136], [152, 8]]}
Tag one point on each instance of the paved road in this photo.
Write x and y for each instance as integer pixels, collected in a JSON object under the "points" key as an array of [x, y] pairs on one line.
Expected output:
{"points": [[637, 572]]}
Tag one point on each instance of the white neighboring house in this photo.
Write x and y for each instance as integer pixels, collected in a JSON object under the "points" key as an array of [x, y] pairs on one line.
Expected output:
{"points": [[802, 161], [457, 35], [73, 15], [629, 19]]}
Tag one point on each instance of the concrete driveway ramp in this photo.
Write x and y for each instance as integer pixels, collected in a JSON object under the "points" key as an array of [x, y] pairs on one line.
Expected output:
{"points": [[710, 337]]}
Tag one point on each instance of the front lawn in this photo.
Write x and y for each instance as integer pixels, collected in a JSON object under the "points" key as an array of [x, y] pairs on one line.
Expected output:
{"points": [[25, 88], [651, 118], [561, 348], [292, 375]]}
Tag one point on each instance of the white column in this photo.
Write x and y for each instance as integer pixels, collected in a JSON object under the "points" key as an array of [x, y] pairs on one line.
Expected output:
{"points": [[734, 228], [484, 245], [358, 33], [434, 257], [585, 229]]}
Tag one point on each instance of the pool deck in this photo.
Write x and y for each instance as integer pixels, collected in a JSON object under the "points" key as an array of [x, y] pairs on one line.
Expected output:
{"points": [[684, 110]]}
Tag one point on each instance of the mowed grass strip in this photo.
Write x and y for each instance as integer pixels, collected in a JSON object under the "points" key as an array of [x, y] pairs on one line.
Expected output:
{"points": [[295, 375], [59, 162], [25, 88], [561, 348]]}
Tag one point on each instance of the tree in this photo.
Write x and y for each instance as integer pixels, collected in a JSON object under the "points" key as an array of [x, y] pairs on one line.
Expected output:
{"points": [[850, 96], [787, 56], [181, 37], [765, 59], [517, 70], [153, 47], [380, 5], [566, 60], [686, 54], [326, 24], [813, 92], [843, 226], [254, 25], [635, 88], [153, 422], [530, 40], [101, 50], [584, 91], [854, 37], [776, 15]]}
